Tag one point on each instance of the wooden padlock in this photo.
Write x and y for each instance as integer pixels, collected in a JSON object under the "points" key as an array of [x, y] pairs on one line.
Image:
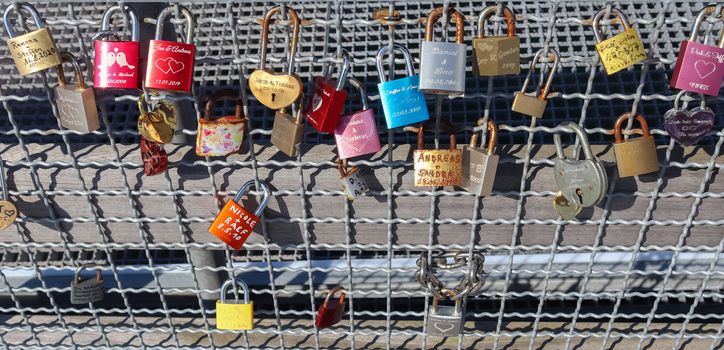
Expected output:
{"points": [[634, 156]]}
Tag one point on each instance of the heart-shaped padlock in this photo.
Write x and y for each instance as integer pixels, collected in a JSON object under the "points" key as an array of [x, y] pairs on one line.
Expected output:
{"points": [[159, 124], [582, 182], [688, 127]]}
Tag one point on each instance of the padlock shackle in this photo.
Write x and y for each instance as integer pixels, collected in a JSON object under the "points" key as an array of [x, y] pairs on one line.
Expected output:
{"points": [[395, 47], [542, 93], [599, 15], [703, 14], [450, 131], [334, 291], [581, 136], [22, 6], [67, 57], [299, 118], [492, 141], [106, 22], [102, 35], [362, 91], [76, 275], [489, 12], [343, 73], [445, 292], [142, 100], [229, 94], [342, 167], [228, 284], [454, 14], [185, 12], [296, 26], [246, 187], [619, 124], [684, 92]]}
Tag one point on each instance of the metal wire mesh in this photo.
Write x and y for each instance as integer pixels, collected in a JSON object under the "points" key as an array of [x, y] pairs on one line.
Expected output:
{"points": [[642, 270]]}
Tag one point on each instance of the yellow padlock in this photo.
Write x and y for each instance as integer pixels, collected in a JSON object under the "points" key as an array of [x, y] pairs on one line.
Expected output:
{"points": [[623, 49], [234, 315]]}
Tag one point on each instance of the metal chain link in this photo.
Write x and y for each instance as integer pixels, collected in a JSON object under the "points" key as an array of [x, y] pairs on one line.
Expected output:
{"points": [[471, 284]]}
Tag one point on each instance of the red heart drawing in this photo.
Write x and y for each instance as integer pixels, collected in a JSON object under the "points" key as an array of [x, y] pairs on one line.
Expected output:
{"points": [[169, 65], [704, 68]]}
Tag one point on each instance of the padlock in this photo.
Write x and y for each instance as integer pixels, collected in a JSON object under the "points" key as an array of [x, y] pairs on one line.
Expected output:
{"points": [[402, 101], [583, 182], [8, 213], [86, 291], [330, 313], [116, 61], [327, 102], [221, 136], [235, 315], [535, 105], [154, 157], [234, 224], [356, 132], [623, 49], [158, 124], [353, 183], [496, 55], [277, 90], [443, 320], [442, 64], [438, 167], [480, 165], [688, 127], [288, 130], [700, 67], [170, 64], [76, 103], [637, 156], [34, 51]]}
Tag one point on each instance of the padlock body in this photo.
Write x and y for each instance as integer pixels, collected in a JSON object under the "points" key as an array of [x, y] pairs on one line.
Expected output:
{"points": [[636, 156], [77, 108], [356, 134], [442, 68], [326, 105], [330, 314], [233, 225], [154, 157], [438, 167], [220, 137], [34, 51], [582, 182], [444, 322], [528, 105], [402, 102], [86, 291], [699, 68], [286, 133], [234, 315], [479, 170], [354, 184], [496, 55], [170, 66], [116, 64], [620, 51]]}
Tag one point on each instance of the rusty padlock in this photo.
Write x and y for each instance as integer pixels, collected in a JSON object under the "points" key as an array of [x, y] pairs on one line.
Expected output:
{"points": [[634, 156], [535, 105]]}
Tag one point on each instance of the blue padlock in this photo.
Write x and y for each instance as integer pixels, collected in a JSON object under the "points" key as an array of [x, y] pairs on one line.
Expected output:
{"points": [[402, 101]]}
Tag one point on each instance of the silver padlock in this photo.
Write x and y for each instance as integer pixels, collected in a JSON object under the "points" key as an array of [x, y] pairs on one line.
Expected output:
{"points": [[442, 64], [352, 181], [582, 182], [480, 165], [444, 321], [89, 290], [76, 102]]}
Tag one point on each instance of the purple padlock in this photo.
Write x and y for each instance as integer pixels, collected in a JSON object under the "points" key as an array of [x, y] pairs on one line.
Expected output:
{"points": [[356, 132], [688, 127]]}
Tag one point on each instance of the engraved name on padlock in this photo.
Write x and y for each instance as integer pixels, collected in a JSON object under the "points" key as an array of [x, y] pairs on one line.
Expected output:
{"points": [[402, 101], [235, 315], [623, 49], [116, 61], [442, 64], [356, 133], [437, 167], [327, 101], [234, 224], [225, 135], [353, 183], [535, 105], [582, 182], [688, 127], [443, 320], [330, 313], [496, 55], [76, 103], [700, 67], [34, 51], [170, 64], [635, 156], [480, 165], [89, 290]]}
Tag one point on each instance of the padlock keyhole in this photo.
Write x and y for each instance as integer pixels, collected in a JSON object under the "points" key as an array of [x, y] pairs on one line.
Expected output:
{"points": [[274, 96], [579, 193]]}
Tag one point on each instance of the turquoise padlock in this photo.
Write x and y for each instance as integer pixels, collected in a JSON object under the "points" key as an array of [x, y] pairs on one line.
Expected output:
{"points": [[402, 101]]}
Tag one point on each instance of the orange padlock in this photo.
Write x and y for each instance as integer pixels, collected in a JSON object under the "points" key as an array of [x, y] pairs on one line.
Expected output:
{"points": [[234, 224]]}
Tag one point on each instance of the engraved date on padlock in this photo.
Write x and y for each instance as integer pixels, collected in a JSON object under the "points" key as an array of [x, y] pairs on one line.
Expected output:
{"points": [[438, 167], [354, 184], [86, 291], [233, 225]]}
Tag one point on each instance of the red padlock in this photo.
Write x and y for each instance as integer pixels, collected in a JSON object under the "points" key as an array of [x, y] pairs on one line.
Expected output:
{"points": [[234, 224], [330, 313], [116, 61], [327, 103], [155, 158], [170, 64]]}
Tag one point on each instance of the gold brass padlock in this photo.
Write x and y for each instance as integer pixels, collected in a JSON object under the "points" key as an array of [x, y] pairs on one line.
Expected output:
{"points": [[288, 130], [623, 49], [235, 315], [159, 124], [496, 55], [437, 167], [635, 156], [34, 51], [534, 106]]}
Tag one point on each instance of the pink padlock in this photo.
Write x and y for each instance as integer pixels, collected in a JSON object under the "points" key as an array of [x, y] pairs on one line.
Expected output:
{"points": [[356, 132], [116, 61], [699, 67]]}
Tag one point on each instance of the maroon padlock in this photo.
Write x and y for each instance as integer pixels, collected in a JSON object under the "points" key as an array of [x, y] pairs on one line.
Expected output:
{"points": [[155, 158], [170, 64], [327, 102], [331, 311], [116, 61]]}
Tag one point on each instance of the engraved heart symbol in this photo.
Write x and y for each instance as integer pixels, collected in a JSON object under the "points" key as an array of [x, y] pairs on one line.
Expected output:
{"points": [[169, 65], [275, 90], [443, 329], [689, 127], [704, 68], [9, 212]]}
